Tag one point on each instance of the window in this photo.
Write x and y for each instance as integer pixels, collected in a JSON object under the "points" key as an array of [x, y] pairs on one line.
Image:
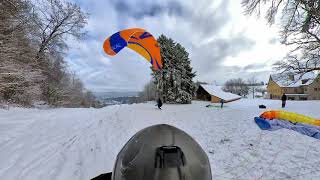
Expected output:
{"points": [[303, 98], [291, 98], [315, 89], [295, 90], [291, 77]]}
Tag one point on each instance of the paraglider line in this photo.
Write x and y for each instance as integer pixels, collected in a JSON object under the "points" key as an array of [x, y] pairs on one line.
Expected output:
{"points": [[145, 35], [158, 65], [130, 42]]}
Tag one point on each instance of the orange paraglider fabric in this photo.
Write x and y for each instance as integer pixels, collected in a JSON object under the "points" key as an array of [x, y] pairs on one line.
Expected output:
{"points": [[290, 116], [138, 40]]}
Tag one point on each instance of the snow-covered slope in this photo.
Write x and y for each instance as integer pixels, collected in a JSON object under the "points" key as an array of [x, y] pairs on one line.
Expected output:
{"points": [[82, 143]]}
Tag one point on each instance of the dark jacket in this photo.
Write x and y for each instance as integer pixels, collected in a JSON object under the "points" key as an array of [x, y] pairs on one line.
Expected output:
{"points": [[159, 102], [284, 97]]}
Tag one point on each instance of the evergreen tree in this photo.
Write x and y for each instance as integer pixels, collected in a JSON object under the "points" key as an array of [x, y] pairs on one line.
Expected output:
{"points": [[174, 82]]}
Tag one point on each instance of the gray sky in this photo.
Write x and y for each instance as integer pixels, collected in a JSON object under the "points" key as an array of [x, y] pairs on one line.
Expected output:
{"points": [[221, 41]]}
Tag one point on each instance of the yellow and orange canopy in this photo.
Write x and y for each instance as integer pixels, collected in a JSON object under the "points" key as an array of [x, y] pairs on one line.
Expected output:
{"points": [[290, 116]]}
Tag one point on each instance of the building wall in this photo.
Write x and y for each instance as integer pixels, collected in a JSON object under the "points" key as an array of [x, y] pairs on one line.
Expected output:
{"points": [[297, 97], [294, 90], [274, 90], [314, 89], [202, 94], [215, 99]]}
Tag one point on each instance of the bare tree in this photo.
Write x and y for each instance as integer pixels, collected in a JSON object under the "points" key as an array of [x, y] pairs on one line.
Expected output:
{"points": [[36, 31], [301, 18], [299, 65], [149, 92], [300, 28], [57, 20], [252, 83], [236, 86], [18, 80], [261, 90], [16, 12]]}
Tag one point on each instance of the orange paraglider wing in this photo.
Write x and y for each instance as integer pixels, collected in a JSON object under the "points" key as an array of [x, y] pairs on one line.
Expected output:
{"points": [[138, 40]]}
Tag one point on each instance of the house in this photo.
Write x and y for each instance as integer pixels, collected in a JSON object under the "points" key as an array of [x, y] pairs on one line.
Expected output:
{"points": [[214, 94], [295, 87]]}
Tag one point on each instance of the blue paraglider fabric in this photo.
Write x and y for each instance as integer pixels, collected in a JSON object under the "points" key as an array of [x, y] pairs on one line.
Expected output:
{"points": [[262, 123], [275, 124]]}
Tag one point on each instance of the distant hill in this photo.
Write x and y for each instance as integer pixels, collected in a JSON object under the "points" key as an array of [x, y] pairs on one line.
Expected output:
{"points": [[117, 97], [114, 94]]}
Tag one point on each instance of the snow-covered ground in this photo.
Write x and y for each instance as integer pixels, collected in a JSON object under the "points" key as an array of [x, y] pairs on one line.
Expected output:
{"points": [[82, 143]]}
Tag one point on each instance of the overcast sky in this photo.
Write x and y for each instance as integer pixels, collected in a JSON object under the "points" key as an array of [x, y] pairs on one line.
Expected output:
{"points": [[222, 42]]}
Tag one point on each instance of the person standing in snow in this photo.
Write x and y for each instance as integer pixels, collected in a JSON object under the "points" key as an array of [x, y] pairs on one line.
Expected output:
{"points": [[284, 99], [221, 101], [159, 103]]}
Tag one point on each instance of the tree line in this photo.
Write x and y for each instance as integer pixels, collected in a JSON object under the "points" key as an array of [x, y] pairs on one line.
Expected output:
{"points": [[243, 87], [237, 86], [33, 38]]}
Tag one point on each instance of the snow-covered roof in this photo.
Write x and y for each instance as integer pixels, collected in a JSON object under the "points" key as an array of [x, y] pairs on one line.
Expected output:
{"points": [[297, 94], [284, 80], [218, 92]]}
